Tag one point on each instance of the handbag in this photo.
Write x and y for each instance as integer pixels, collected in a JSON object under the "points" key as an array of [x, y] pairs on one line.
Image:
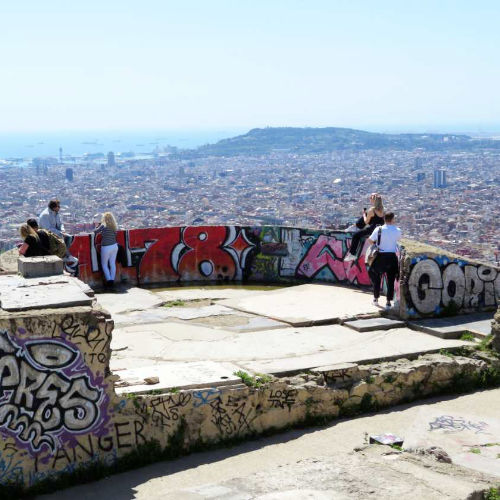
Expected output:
{"points": [[373, 250]]}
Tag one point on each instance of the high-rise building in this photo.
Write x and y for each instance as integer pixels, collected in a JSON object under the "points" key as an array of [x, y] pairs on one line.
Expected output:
{"points": [[420, 176], [439, 178], [60, 155], [111, 159], [418, 163], [69, 174]]}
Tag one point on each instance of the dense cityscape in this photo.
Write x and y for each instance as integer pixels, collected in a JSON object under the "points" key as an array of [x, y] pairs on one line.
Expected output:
{"points": [[445, 198]]}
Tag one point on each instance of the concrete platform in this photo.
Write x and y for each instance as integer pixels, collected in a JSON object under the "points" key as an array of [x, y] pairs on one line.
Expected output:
{"points": [[270, 351], [215, 292], [349, 346], [372, 324], [131, 299], [305, 305], [479, 324], [43, 295], [179, 375]]}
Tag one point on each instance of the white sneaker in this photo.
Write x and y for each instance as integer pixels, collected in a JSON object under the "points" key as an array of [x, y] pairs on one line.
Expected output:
{"points": [[388, 306], [375, 302], [349, 257]]}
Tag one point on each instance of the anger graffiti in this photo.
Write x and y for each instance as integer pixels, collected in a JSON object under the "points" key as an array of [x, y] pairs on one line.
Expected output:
{"points": [[46, 392]]}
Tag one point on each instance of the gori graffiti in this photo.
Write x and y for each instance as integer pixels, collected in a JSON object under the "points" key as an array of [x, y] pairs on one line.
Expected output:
{"points": [[47, 393], [441, 282]]}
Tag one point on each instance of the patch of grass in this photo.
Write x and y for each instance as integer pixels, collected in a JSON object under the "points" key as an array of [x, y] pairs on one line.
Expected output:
{"points": [[389, 379], [445, 352], [468, 336], [175, 303], [396, 447], [492, 494], [369, 379], [476, 451], [484, 345], [256, 381]]}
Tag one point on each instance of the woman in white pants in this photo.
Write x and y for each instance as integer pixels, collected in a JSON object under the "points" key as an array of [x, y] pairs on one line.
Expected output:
{"points": [[109, 247]]}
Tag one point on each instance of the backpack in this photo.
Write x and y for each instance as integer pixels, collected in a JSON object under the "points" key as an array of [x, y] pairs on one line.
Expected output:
{"points": [[56, 244]]}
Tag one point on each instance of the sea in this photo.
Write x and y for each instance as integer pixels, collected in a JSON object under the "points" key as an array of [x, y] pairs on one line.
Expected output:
{"points": [[43, 144]]}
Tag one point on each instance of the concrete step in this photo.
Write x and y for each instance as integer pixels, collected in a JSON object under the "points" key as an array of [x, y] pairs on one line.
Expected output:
{"points": [[372, 324], [479, 324], [164, 376]]}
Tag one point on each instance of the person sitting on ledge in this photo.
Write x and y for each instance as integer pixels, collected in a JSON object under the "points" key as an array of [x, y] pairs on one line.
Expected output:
{"points": [[372, 218], [51, 220], [386, 261], [35, 244]]}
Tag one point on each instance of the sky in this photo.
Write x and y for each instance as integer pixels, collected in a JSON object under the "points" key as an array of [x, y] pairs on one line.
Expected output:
{"points": [[238, 64]]}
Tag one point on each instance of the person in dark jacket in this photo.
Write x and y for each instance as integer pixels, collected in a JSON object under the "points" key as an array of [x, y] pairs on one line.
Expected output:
{"points": [[35, 244], [372, 218]]}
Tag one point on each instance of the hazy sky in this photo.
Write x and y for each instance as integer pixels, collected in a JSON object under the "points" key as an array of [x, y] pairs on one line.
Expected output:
{"points": [[187, 64]]}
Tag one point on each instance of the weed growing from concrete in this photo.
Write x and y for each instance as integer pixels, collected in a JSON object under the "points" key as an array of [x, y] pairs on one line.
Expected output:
{"points": [[445, 352], [256, 381], [492, 494], [476, 451], [369, 379], [484, 345], [468, 336], [175, 303]]}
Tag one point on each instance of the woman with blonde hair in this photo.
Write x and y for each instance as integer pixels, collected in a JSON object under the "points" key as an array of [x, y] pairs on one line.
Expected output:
{"points": [[373, 217], [109, 247], [35, 244]]}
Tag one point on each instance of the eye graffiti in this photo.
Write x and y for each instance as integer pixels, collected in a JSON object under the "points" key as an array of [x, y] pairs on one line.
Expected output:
{"points": [[46, 392]]}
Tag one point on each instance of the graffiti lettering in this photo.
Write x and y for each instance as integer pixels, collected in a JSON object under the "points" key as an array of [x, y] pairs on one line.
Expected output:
{"points": [[282, 398], [45, 391], [457, 424], [164, 410], [205, 396], [436, 283]]}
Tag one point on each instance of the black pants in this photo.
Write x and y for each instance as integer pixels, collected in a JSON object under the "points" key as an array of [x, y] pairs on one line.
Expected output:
{"points": [[385, 263], [356, 238]]}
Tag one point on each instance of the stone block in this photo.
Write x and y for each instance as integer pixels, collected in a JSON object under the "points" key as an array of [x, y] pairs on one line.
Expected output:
{"points": [[373, 324], [35, 267]]}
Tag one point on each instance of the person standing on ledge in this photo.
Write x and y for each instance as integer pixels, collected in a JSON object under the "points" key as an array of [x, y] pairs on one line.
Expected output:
{"points": [[109, 247], [386, 261], [372, 218]]}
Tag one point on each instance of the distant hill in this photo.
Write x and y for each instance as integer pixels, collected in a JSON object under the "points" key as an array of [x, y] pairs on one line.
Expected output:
{"points": [[320, 140]]}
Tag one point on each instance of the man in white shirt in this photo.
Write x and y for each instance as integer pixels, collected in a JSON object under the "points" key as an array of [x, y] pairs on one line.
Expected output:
{"points": [[386, 261]]}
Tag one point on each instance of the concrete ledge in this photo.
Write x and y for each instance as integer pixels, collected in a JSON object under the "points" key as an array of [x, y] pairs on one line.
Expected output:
{"points": [[35, 267]]}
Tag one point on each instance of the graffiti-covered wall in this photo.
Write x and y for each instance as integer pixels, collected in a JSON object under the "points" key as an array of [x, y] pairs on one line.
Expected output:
{"points": [[200, 253], [59, 412], [436, 284]]}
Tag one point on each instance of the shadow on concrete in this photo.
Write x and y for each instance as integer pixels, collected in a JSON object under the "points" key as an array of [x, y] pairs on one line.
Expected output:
{"points": [[122, 486]]}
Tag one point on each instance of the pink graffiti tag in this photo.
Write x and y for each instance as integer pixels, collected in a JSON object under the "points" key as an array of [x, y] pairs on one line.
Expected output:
{"points": [[325, 252]]}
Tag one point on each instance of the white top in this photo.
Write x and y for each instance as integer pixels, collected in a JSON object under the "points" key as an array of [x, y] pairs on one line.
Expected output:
{"points": [[390, 236]]}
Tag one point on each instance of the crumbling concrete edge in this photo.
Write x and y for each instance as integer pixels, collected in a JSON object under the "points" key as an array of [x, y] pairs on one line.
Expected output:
{"points": [[178, 422]]}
